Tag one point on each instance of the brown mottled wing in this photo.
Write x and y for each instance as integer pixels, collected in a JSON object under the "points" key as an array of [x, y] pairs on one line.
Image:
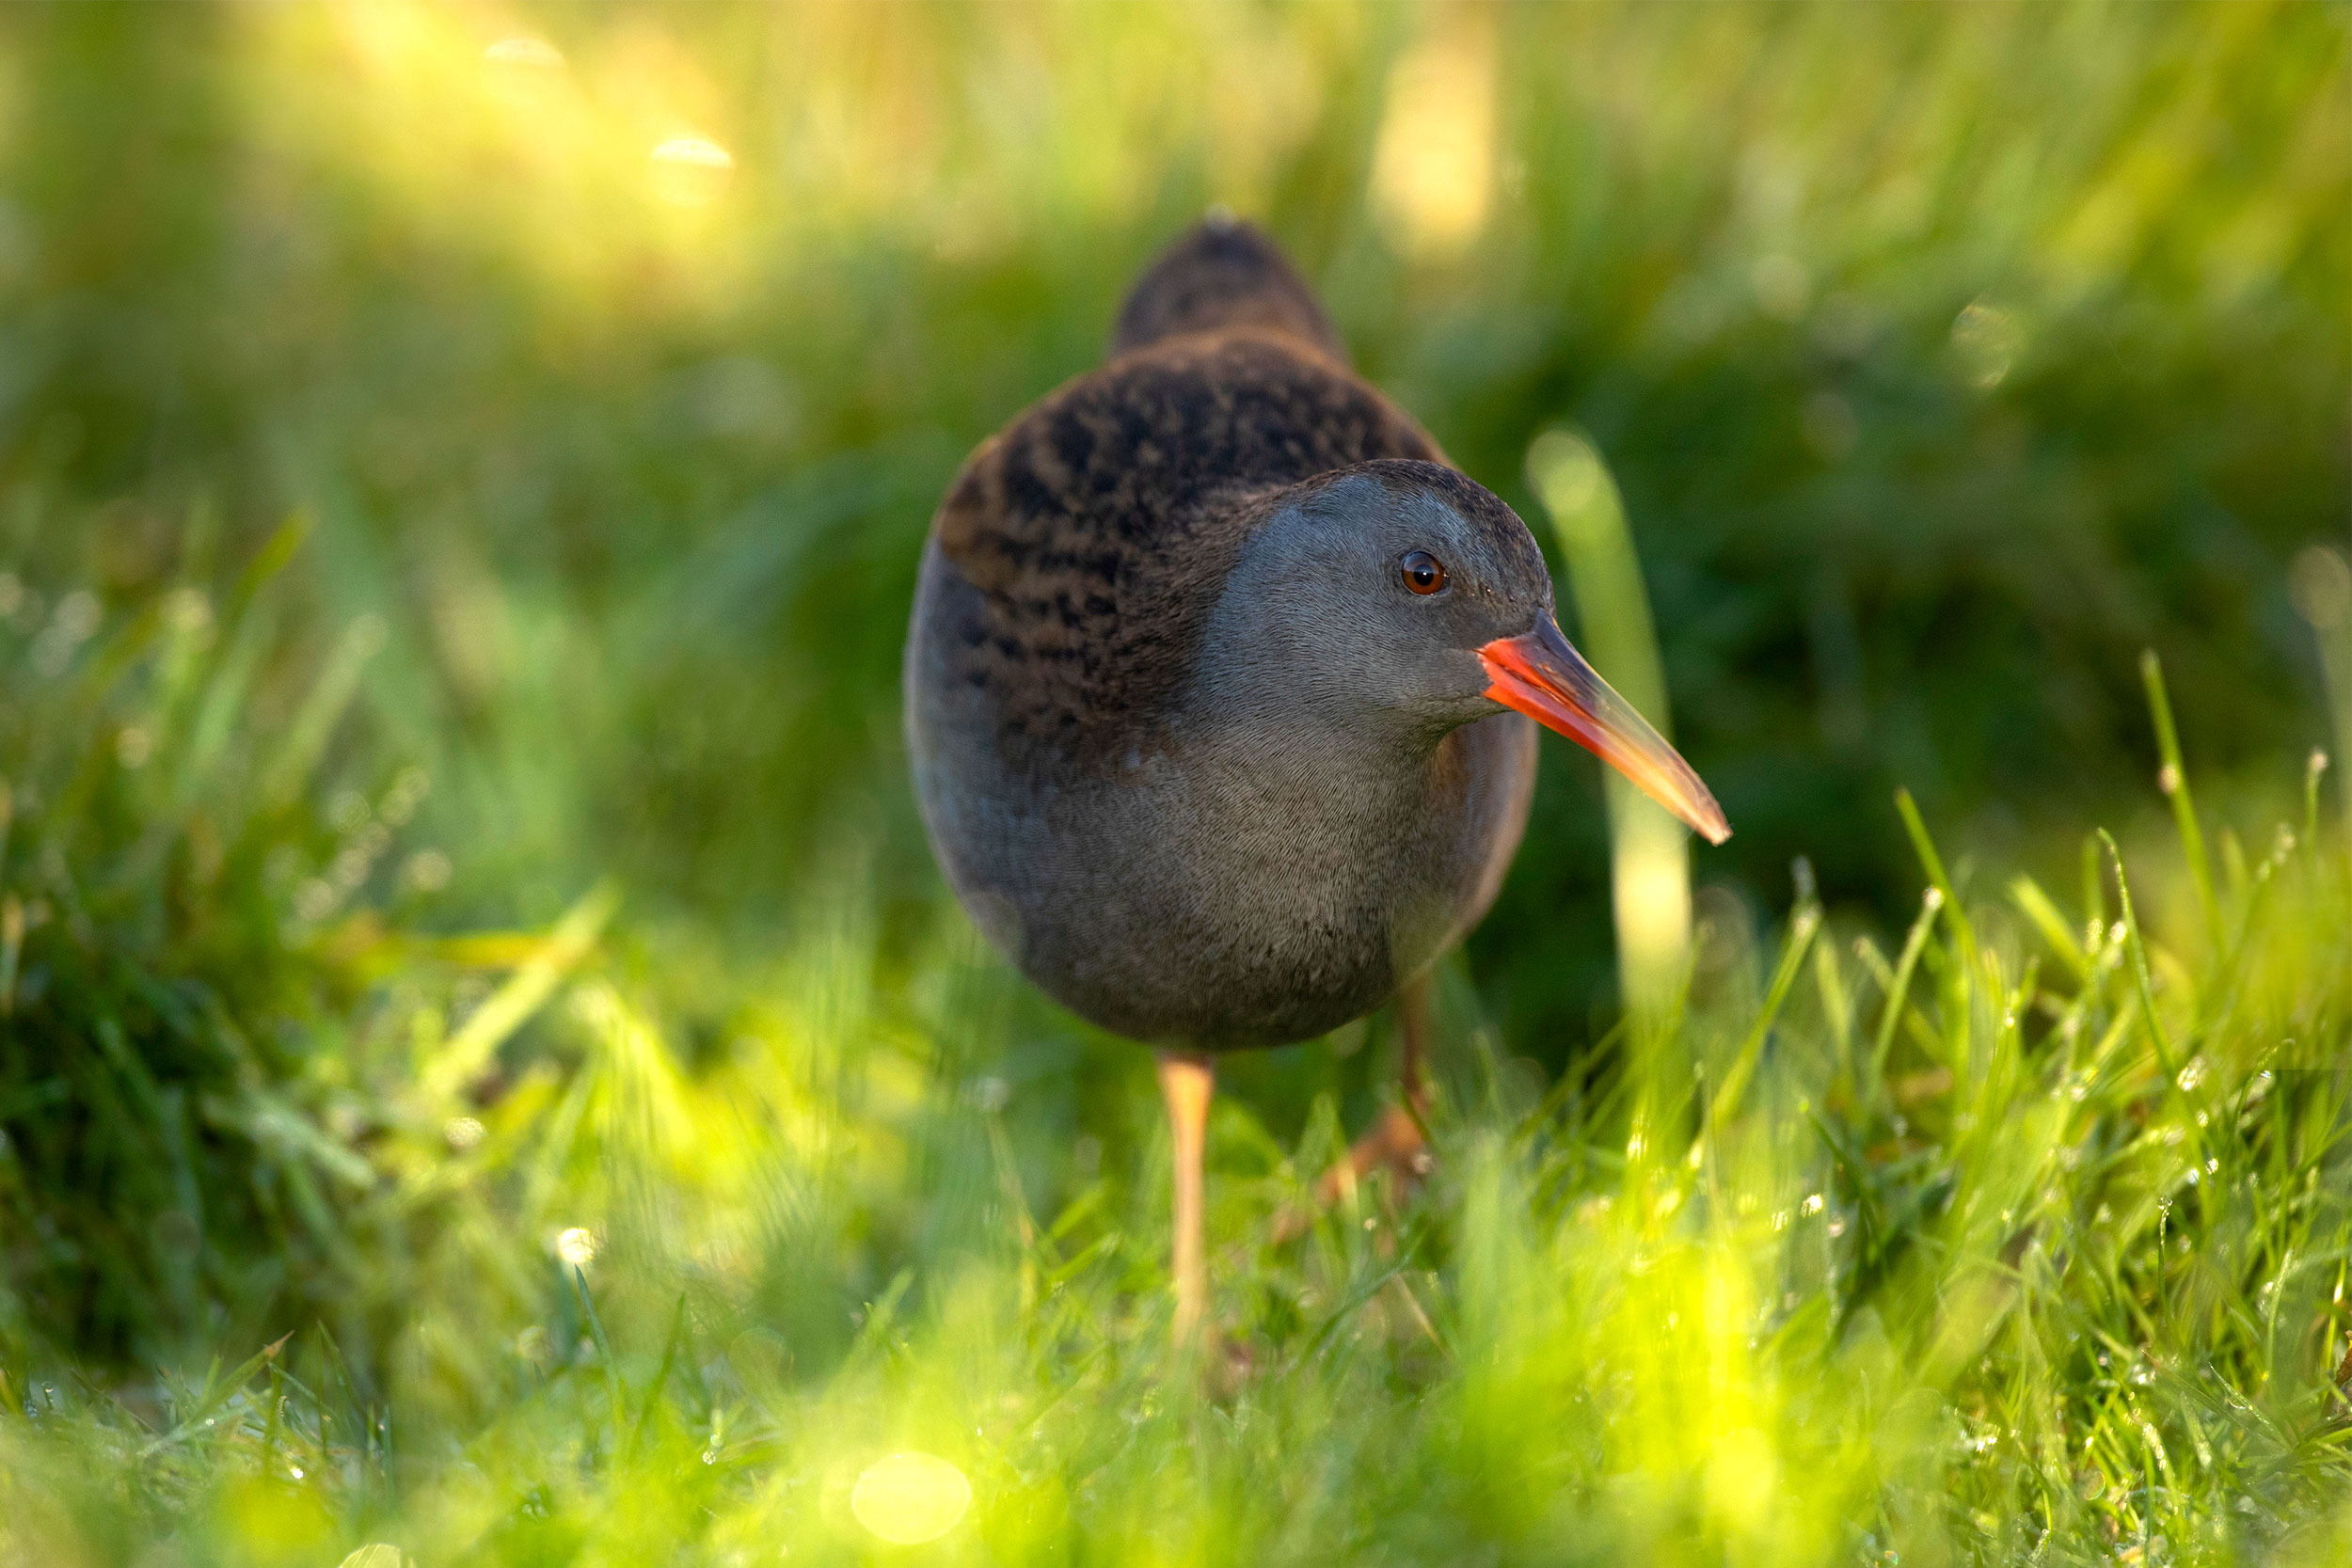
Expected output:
{"points": [[1098, 526]]}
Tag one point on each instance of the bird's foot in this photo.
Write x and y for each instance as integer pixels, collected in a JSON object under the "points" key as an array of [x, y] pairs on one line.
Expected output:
{"points": [[1395, 1144]]}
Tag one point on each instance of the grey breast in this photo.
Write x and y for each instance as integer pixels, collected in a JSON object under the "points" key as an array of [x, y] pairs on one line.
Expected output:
{"points": [[1226, 886]]}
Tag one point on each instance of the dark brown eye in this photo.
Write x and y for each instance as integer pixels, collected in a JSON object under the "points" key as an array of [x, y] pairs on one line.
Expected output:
{"points": [[1424, 573]]}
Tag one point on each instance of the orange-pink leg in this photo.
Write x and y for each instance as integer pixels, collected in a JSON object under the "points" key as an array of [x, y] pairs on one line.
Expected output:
{"points": [[1187, 1079], [1395, 1141]]}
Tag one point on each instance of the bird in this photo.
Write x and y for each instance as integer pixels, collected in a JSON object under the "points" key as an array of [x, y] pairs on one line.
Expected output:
{"points": [[1220, 693]]}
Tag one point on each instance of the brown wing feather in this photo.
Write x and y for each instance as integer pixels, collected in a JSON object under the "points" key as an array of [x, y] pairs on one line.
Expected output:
{"points": [[1098, 525]]}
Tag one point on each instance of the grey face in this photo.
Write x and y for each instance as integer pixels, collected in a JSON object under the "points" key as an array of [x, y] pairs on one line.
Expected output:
{"points": [[1320, 624]]}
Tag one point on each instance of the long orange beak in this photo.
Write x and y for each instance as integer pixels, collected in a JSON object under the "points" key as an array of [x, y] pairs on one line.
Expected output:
{"points": [[1539, 674]]}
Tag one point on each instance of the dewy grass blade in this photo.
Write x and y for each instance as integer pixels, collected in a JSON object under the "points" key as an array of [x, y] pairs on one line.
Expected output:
{"points": [[1899, 992], [2174, 781], [2094, 893], [2028, 895], [2311, 770], [1801, 929], [1828, 981], [2158, 1041], [1959, 1028]]}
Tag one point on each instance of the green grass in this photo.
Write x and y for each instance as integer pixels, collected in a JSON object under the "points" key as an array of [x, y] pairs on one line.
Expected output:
{"points": [[488, 1070], [2026, 1239]]}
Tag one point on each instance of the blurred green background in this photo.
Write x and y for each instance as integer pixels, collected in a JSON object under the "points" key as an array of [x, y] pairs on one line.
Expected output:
{"points": [[1946, 359]]}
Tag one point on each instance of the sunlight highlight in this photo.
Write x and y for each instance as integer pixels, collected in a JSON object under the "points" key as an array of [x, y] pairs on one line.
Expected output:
{"points": [[909, 1498], [690, 171], [1649, 851], [376, 1555], [524, 50], [1433, 169], [593, 167]]}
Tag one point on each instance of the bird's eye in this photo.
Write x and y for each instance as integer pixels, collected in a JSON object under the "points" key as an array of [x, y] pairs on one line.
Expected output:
{"points": [[1424, 573]]}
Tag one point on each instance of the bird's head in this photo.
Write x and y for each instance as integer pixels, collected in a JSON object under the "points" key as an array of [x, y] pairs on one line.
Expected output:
{"points": [[1399, 600]]}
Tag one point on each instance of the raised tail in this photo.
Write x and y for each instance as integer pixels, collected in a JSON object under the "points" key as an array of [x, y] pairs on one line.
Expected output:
{"points": [[1222, 273]]}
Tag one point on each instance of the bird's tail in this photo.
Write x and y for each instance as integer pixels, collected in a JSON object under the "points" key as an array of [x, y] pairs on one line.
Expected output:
{"points": [[1222, 273]]}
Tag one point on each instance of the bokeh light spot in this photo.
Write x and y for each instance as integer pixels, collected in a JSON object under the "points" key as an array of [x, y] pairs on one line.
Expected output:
{"points": [[1742, 1478], [690, 170], [1988, 340], [909, 1498], [524, 50], [1566, 472], [1433, 165], [375, 1555], [694, 150]]}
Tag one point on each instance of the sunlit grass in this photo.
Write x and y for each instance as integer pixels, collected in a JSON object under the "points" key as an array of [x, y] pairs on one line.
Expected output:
{"points": [[2025, 1241]]}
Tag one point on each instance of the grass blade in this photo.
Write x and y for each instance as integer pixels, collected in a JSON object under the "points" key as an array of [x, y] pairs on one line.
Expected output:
{"points": [[1801, 933], [1897, 994], [2172, 779], [465, 1055]]}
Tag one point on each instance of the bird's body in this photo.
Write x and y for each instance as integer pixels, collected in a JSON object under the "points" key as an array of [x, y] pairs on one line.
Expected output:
{"points": [[1167, 854], [1210, 687]]}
